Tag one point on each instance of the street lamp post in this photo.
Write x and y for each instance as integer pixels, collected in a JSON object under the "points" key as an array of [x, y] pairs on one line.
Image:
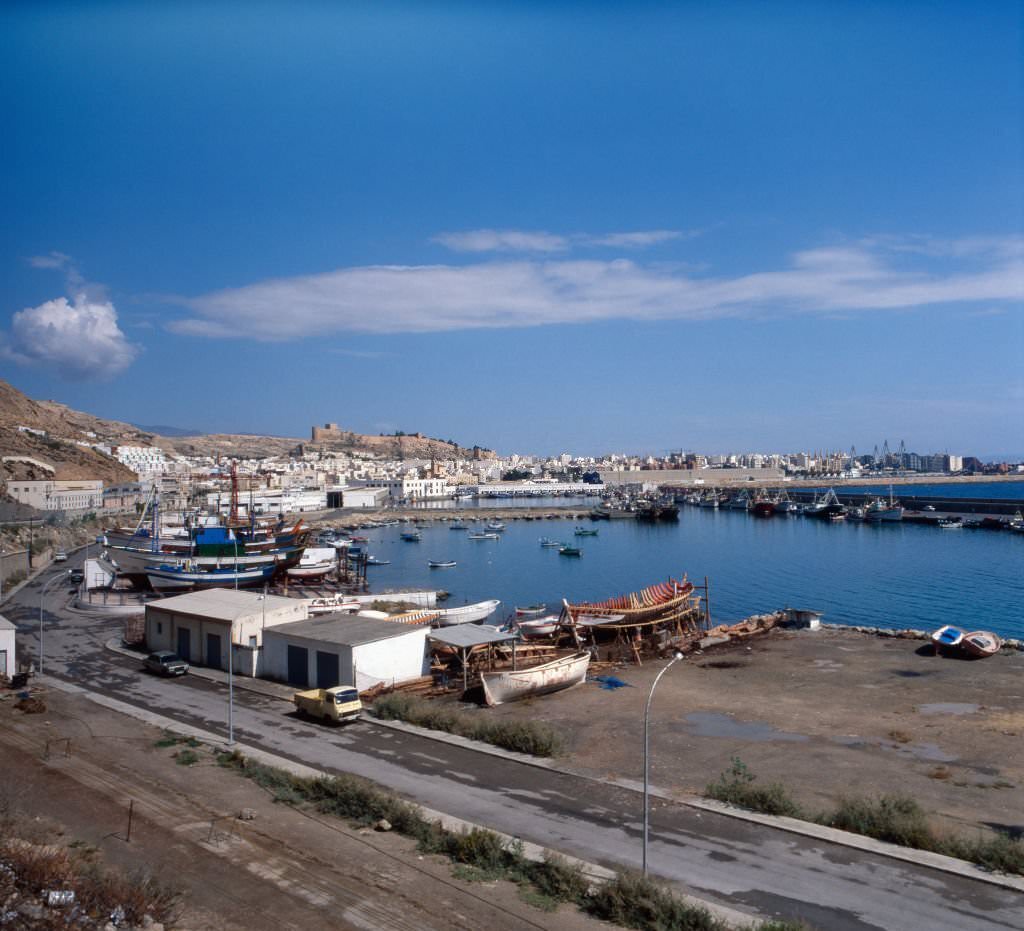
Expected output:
{"points": [[42, 591], [647, 715], [231, 658]]}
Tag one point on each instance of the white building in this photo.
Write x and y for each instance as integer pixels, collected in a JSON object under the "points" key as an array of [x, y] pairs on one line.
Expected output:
{"points": [[199, 625], [408, 489], [342, 649], [8, 660], [142, 458], [86, 495]]}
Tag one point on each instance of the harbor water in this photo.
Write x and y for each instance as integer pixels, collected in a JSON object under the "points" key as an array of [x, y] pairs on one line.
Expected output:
{"points": [[892, 575]]}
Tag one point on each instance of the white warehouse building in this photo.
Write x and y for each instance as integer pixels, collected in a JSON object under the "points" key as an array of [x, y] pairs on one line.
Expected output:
{"points": [[342, 649], [199, 625]]}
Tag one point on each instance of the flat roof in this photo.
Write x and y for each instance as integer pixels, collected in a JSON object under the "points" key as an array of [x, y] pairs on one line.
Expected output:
{"points": [[344, 629], [469, 635], [223, 604]]}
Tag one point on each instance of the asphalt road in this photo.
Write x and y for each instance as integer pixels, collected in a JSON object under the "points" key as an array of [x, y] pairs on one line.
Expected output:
{"points": [[744, 865]]}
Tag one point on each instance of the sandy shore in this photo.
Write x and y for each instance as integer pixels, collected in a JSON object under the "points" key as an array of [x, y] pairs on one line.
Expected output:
{"points": [[825, 712]]}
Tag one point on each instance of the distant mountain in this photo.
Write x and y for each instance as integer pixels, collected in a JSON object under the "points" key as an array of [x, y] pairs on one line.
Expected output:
{"points": [[163, 430]]}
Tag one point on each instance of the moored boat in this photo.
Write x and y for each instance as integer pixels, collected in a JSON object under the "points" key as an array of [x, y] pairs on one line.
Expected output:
{"points": [[950, 523], [412, 536], [482, 536], [570, 551], [544, 541], [585, 532], [553, 676], [441, 564]]}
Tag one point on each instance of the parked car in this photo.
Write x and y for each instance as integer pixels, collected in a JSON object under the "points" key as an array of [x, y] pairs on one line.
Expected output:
{"points": [[60, 556], [165, 663]]}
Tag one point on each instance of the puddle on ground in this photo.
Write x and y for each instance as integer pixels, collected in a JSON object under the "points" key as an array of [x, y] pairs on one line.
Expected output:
{"points": [[712, 724], [948, 707]]}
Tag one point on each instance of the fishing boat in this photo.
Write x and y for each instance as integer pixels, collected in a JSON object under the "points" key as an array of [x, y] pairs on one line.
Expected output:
{"points": [[981, 643], [585, 532], [824, 507], [185, 576], [458, 526], [882, 510], [535, 628], [438, 564], [372, 560], [531, 610], [947, 637], [608, 511], [764, 508], [673, 600], [467, 614], [553, 676], [569, 551], [856, 513], [950, 523], [496, 525], [314, 564], [412, 536], [544, 541], [482, 536]]}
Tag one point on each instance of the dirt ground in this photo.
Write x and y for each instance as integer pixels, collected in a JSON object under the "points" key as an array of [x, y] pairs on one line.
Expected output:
{"points": [[283, 869], [825, 712]]}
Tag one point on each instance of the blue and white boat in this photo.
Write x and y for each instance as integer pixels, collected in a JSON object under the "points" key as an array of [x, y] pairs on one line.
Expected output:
{"points": [[947, 637], [186, 576]]}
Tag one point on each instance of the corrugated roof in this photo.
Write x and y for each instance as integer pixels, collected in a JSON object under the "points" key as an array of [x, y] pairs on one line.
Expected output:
{"points": [[345, 629], [223, 604], [6, 624], [469, 635]]}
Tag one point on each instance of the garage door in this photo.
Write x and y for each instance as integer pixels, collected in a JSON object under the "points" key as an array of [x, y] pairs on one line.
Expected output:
{"points": [[213, 650], [298, 666], [185, 643], [327, 670]]}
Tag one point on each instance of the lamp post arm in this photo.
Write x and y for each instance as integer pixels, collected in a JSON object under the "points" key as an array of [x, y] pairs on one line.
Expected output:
{"points": [[647, 718]]}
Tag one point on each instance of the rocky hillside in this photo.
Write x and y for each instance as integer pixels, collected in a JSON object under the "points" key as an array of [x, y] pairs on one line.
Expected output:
{"points": [[56, 445], [62, 428]]}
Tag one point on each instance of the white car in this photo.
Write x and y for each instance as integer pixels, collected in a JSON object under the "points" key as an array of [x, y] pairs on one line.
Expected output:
{"points": [[60, 556]]}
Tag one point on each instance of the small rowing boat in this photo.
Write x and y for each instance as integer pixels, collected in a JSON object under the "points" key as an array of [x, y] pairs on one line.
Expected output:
{"points": [[981, 643], [563, 673], [439, 564], [531, 610], [570, 551], [947, 637]]}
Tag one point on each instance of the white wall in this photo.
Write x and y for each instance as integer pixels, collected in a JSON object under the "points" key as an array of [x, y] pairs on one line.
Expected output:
{"points": [[7, 643], [396, 659]]}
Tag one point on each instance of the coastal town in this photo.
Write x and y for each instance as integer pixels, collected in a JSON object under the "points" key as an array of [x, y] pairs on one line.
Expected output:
{"points": [[269, 575], [512, 466]]}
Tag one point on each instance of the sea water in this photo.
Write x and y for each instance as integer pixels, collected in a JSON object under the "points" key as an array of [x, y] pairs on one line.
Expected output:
{"points": [[892, 575]]}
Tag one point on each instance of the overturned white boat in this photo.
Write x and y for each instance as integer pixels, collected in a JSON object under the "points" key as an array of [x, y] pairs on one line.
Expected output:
{"points": [[563, 673], [467, 614]]}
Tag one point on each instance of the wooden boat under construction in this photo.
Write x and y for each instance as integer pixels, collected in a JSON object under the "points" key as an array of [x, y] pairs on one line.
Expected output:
{"points": [[668, 612], [553, 676]]}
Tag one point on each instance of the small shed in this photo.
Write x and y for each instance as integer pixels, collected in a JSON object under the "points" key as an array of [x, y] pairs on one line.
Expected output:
{"points": [[8, 660], [464, 638], [342, 649], [199, 625]]}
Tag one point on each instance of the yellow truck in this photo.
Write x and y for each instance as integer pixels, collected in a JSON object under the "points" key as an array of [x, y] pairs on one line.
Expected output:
{"points": [[339, 704]]}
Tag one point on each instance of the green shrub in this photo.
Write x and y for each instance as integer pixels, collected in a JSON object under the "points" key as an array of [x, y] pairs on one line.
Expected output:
{"points": [[893, 818], [737, 788], [559, 880], [1002, 853], [186, 757], [635, 901], [531, 737]]}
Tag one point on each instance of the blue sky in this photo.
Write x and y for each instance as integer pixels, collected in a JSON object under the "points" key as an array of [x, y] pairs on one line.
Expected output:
{"points": [[538, 227]]}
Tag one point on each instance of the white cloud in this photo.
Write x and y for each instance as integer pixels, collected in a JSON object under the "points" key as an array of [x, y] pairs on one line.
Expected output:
{"points": [[639, 239], [540, 241], [433, 298], [79, 340], [52, 260], [502, 241]]}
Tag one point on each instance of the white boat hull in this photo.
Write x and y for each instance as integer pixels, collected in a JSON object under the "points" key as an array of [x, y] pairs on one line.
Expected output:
{"points": [[467, 614], [501, 687]]}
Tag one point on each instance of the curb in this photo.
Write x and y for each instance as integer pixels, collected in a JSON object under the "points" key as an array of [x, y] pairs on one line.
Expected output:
{"points": [[935, 861], [535, 852]]}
